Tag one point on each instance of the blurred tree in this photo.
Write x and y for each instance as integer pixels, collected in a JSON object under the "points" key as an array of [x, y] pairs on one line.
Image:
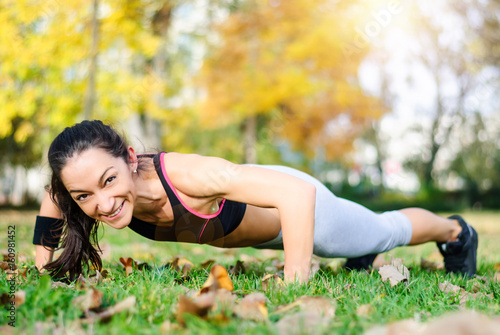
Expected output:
{"points": [[448, 60], [51, 75], [285, 62], [483, 18], [478, 161]]}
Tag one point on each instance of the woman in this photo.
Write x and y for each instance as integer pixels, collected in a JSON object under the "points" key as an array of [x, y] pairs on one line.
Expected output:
{"points": [[96, 178]]}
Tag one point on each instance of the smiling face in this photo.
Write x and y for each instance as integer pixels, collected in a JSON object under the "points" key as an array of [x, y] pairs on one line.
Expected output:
{"points": [[102, 185]]}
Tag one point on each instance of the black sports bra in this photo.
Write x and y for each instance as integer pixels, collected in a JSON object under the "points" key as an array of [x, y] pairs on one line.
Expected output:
{"points": [[189, 226]]}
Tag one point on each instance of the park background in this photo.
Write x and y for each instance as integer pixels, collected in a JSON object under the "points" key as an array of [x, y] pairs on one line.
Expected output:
{"points": [[389, 103]]}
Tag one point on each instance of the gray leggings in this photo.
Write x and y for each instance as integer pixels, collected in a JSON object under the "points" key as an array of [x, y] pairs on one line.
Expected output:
{"points": [[345, 229]]}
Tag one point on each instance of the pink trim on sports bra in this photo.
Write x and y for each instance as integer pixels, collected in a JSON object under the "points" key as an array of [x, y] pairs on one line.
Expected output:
{"points": [[204, 216]]}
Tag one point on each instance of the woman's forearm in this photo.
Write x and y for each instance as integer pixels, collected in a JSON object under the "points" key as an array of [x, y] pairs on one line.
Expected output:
{"points": [[298, 237], [43, 256]]}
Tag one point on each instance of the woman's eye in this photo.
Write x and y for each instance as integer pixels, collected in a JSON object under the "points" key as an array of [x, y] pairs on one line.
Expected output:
{"points": [[110, 179], [81, 197]]}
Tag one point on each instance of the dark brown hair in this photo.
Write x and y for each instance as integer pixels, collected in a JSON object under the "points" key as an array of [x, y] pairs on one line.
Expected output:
{"points": [[79, 236]]}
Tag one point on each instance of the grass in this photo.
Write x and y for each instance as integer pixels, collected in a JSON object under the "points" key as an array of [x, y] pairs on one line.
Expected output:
{"points": [[157, 290]]}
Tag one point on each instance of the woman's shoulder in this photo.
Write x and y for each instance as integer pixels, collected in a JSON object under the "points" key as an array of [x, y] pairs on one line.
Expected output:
{"points": [[193, 173]]}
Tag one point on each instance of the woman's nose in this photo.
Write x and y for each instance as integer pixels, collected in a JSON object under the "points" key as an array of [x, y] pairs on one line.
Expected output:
{"points": [[105, 203]]}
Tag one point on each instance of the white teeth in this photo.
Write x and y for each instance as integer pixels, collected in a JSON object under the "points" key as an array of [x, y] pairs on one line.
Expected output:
{"points": [[117, 211]]}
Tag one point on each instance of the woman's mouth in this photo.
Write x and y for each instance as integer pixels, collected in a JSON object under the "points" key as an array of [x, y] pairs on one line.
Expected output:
{"points": [[115, 213]]}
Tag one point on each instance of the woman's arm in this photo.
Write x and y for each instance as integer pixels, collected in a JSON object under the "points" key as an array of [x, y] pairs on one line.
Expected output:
{"points": [[293, 197], [48, 209]]}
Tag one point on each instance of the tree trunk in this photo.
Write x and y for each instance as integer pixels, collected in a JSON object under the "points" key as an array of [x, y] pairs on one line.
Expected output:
{"points": [[90, 94], [250, 139]]}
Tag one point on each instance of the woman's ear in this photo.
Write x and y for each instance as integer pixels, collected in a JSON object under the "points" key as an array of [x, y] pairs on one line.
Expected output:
{"points": [[132, 158]]}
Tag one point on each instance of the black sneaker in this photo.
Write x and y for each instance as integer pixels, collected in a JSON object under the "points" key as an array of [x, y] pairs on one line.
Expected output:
{"points": [[460, 256], [360, 263]]}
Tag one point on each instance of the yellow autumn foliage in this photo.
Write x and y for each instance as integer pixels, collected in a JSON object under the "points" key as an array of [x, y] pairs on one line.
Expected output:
{"points": [[289, 56]]}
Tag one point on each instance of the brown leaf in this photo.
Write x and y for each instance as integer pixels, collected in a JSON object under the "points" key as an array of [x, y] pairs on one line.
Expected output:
{"points": [[395, 273], [4, 299], [199, 305], [430, 265], [129, 264], [380, 261], [6, 330], [462, 294], [315, 267], [126, 304], [182, 265], [217, 279], [318, 305], [4, 266], [207, 264], [302, 323], [365, 309], [58, 284], [91, 300], [98, 277], [463, 323], [82, 282], [19, 298], [238, 268], [496, 267], [448, 287], [224, 300], [25, 272], [496, 277], [252, 307], [271, 282]]}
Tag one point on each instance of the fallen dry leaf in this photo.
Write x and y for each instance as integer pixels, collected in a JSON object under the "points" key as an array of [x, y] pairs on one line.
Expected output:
{"points": [[311, 304], [129, 264], [395, 273], [124, 305], [365, 309], [463, 323], [82, 282], [208, 263], [496, 267], [302, 323], [4, 266], [271, 282], [181, 265], [4, 299], [238, 268], [91, 300], [217, 279], [57, 284], [252, 307], [430, 265], [496, 277], [315, 266], [224, 300], [97, 278], [462, 294], [6, 330], [380, 261], [448, 287], [199, 305], [19, 298], [319, 305]]}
